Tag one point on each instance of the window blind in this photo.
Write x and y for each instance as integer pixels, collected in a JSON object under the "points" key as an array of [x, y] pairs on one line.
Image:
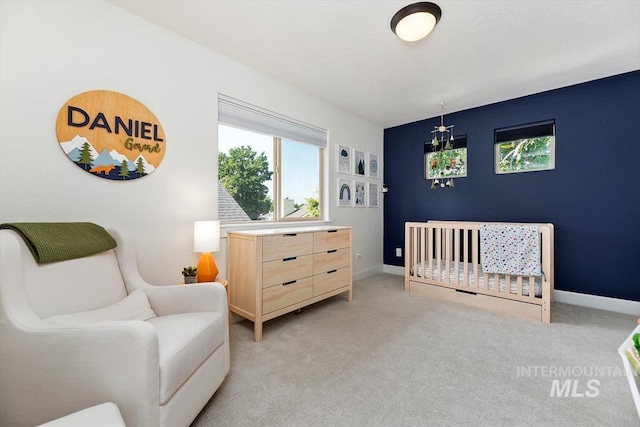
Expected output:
{"points": [[238, 113], [534, 130]]}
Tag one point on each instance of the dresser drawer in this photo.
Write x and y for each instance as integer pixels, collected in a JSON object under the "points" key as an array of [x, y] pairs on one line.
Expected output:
{"points": [[327, 282], [286, 245], [284, 270], [327, 240], [281, 296], [330, 260]]}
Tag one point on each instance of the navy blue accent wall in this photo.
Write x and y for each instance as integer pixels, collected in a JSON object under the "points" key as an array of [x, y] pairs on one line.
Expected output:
{"points": [[592, 196]]}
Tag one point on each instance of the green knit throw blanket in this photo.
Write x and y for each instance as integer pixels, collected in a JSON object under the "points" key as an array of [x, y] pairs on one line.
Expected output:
{"points": [[59, 241]]}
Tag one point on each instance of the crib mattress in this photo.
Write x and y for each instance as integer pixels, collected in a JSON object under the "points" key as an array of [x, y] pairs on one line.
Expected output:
{"points": [[440, 274]]}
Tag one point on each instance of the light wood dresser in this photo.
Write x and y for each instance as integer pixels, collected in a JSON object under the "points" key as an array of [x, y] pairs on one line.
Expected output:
{"points": [[272, 272]]}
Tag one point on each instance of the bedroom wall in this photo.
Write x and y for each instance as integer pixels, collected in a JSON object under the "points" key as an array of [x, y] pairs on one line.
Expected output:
{"points": [[51, 51], [592, 197]]}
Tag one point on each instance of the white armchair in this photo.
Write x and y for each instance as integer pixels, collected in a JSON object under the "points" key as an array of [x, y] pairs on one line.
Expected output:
{"points": [[64, 346]]}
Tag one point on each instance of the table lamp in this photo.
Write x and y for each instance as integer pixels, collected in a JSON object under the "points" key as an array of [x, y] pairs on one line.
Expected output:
{"points": [[206, 239]]}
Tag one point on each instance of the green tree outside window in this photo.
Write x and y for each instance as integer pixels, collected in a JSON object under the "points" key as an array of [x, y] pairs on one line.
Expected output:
{"points": [[243, 173]]}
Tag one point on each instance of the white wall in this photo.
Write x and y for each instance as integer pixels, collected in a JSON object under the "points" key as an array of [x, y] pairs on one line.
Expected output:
{"points": [[53, 50]]}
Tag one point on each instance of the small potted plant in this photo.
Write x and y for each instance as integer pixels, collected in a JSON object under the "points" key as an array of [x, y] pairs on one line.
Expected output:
{"points": [[190, 274]]}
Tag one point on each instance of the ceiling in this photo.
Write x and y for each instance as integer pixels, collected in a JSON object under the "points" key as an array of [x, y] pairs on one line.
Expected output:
{"points": [[344, 52]]}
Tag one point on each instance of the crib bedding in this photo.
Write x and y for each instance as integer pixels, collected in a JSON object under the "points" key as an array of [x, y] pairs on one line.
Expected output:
{"points": [[510, 249], [470, 280]]}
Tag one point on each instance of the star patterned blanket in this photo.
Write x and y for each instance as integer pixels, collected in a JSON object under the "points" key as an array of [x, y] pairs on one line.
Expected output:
{"points": [[510, 249]]}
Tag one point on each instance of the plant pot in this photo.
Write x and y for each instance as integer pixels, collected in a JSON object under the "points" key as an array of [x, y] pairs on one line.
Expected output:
{"points": [[190, 279]]}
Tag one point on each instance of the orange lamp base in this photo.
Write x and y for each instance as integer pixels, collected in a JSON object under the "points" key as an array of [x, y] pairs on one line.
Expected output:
{"points": [[207, 268]]}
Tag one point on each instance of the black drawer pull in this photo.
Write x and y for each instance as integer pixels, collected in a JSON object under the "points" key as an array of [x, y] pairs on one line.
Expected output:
{"points": [[332, 231], [289, 283], [290, 235], [291, 258], [333, 251], [332, 271]]}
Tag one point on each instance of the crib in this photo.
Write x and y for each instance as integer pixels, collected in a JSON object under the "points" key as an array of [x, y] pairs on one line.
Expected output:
{"points": [[442, 260]]}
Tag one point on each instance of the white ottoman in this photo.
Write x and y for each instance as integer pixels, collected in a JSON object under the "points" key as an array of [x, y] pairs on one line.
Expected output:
{"points": [[103, 415]]}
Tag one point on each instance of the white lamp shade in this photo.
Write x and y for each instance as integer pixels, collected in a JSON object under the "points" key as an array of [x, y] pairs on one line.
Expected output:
{"points": [[206, 236]]}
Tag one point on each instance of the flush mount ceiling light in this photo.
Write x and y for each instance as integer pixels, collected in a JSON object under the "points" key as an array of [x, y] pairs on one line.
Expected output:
{"points": [[415, 21]]}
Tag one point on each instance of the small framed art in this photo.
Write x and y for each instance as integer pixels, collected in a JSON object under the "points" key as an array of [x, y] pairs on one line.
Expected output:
{"points": [[372, 165], [344, 159], [360, 194], [373, 195], [359, 163], [345, 192]]}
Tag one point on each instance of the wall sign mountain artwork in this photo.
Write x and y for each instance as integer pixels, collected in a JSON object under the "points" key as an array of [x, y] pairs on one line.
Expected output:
{"points": [[110, 135]]}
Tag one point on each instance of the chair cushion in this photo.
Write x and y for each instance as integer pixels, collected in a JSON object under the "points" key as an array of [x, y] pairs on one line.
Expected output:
{"points": [[185, 341], [133, 307]]}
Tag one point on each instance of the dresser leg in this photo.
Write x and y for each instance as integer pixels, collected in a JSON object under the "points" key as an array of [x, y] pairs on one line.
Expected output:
{"points": [[257, 331], [350, 295]]}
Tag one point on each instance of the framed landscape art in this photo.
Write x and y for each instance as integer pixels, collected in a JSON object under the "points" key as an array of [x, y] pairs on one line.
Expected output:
{"points": [[359, 163]]}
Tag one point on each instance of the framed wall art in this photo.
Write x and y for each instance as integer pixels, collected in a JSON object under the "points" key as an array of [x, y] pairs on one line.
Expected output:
{"points": [[372, 165], [373, 195], [345, 192], [344, 159], [359, 163], [360, 194]]}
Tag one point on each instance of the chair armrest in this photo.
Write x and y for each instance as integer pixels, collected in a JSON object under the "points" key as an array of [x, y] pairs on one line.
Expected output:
{"points": [[83, 365], [172, 299], [202, 297], [194, 298]]}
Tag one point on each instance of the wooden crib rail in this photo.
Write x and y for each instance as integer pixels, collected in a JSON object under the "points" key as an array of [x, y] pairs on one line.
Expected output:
{"points": [[447, 254]]}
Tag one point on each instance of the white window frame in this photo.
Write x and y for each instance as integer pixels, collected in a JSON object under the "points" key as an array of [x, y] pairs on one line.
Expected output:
{"points": [[235, 113], [545, 128]]}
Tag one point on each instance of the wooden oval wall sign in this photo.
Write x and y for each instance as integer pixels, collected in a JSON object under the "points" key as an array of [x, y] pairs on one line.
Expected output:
{"points": [[110, 135]]}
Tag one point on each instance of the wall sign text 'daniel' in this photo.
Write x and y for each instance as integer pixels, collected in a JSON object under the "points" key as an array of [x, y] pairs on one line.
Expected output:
{"points": [[110, 135]]}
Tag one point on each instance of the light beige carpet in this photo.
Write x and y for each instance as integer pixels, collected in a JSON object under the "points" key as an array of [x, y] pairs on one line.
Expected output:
{"points": [[393, 359]]}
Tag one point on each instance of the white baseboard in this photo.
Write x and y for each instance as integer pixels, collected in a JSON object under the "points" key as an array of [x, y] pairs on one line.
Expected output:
{"points": [[592, 301], [363, 274], [601, 303], [393, 269]]}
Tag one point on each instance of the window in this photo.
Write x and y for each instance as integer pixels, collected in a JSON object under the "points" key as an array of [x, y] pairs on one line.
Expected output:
{"points": [[269, 166], [525, 148], [450, 163]]}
